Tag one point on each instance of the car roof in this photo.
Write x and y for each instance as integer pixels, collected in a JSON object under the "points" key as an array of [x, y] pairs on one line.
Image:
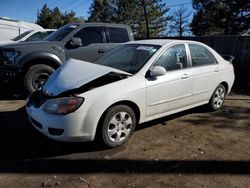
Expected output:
{"points": [[160, 42], [100, 24]]}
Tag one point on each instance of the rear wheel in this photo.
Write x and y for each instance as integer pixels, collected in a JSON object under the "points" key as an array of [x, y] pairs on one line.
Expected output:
{"points": [[118, 125], [217, 99], [36, 77]]}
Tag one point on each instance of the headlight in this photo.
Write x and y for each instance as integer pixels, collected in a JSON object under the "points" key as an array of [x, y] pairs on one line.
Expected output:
{"points": [[9, 57], [63, 106]]}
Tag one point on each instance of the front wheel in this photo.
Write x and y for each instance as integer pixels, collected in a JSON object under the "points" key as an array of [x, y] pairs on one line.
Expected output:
{"points": [[217, 98], [118, 125], [36, 77]]}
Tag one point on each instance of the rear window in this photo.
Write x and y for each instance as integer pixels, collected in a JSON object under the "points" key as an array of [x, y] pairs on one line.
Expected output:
{"points": [[118, 35]]}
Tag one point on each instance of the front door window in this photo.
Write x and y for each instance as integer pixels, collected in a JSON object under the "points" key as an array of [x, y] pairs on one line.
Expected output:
{"points": [[173, 58], [90, 35]]}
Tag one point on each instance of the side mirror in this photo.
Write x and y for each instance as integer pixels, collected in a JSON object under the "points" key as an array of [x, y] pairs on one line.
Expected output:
{"points": [[76, 42], [158, 71], [229, 58]]}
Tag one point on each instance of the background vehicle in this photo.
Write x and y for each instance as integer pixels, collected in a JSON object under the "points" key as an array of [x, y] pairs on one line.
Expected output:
{"points": [[31, 35], [33, 62], [10, 28], [134, 83]]}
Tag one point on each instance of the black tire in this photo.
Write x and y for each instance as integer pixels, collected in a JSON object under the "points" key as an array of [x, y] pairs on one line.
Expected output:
{"points": [[113, 135], [36, 76], [217, 99]]}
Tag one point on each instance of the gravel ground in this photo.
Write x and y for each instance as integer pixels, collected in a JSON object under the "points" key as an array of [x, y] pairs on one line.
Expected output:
{"points": [[194, 148]]}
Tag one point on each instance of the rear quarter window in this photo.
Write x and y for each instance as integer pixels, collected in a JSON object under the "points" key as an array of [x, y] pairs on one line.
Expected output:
{"points": [[118, 35]]}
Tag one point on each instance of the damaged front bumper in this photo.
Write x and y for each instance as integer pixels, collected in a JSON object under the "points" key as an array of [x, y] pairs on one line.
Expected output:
{"points": [[65, 128]]}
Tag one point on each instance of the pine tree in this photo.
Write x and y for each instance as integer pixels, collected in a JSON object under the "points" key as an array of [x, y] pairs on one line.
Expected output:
{"points": [[44, 17], [126, 11], [157, 19], [101, 11], [54, 19], [147, 18], [70, 17], [220, 17]]}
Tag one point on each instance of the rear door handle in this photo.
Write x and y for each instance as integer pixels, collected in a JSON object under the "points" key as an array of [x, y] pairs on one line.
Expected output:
{"points": [[217, 70], [101, 51], [185, 76]]}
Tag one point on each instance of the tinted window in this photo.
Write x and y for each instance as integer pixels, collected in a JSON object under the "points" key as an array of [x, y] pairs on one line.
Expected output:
{"points": [[90, 35], [118, 35], [130, 58], [173, 58], [200, 56]]}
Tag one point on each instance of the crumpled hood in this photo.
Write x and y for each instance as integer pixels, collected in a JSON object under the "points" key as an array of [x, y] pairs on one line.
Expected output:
{"points": [[74, 74]]}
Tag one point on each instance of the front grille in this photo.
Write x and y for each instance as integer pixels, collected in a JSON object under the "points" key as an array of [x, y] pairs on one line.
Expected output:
{"points": [[1, 58], [37, 99], [55, 132]]}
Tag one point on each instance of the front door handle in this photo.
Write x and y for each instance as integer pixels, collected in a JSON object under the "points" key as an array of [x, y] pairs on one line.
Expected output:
{"points": [[185, 76], [216, 69], [100, 51]]}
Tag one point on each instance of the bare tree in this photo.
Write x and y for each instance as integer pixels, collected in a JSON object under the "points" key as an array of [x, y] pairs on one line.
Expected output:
{"points": [[180, 22]]}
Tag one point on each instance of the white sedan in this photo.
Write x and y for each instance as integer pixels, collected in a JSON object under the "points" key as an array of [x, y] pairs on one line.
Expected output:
{"points": [[134, 83]]}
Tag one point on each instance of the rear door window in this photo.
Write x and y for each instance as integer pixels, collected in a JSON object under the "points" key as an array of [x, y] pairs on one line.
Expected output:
{"points": [[118, 35], [201, 56]]}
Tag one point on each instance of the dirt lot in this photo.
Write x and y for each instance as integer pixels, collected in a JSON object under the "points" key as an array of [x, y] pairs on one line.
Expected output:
{"points": [[191, 149]]}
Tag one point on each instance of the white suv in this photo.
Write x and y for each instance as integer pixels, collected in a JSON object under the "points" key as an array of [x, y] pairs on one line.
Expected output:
{"points": [[31, 35]]}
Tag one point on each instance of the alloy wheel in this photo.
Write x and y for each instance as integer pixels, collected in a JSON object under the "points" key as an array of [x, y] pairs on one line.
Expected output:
{"points": [[219, 96], [119, 127]]}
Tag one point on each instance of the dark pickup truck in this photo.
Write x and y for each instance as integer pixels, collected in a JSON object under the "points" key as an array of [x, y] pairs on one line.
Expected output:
{"points": [[31, 63]]}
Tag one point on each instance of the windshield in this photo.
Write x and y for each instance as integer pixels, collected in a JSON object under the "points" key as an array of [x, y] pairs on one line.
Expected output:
{"points": [[21, 36], [61, 33], [38, 36], [129, 57]]}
